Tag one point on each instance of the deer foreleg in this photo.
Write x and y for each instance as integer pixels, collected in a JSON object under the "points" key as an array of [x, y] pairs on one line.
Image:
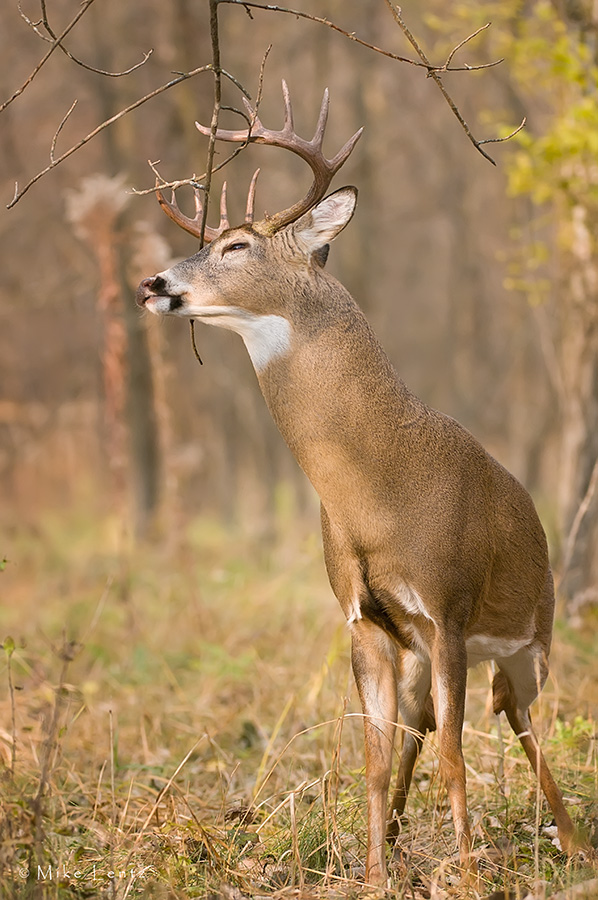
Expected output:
{"points": [[373, 656]]}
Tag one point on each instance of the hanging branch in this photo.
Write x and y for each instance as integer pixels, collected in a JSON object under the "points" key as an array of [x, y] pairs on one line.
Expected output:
{"points": [[576, 525], [211, 145], [269, 7], [53, 39], [55, 161], [215, 114], [56, 43], [198, 181], [59, 129], [434, 72]]}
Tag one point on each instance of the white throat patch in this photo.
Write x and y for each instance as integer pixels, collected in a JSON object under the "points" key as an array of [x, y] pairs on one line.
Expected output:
{"points": [[266, 337]]}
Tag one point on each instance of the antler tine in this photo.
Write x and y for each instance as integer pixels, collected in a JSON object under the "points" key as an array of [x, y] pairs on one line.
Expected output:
{"points": [[311, 151], [193, 225], [173, 212], [318, 137], [288, 109], [224, 223], [237, 135], [250, 209], [337, 161]]}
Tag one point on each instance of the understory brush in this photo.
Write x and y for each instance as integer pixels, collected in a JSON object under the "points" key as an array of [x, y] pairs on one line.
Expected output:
{"points": [[183, 723]]}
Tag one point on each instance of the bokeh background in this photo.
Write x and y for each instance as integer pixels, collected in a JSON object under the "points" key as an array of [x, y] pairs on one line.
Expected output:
{"points": [[174, 660], [481, 280]]}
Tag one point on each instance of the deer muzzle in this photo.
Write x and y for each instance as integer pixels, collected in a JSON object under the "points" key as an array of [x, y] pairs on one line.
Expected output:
{"points": [[154, 295]]}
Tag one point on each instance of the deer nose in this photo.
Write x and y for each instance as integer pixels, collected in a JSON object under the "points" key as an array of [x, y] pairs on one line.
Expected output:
{"points": [[144, 291]]}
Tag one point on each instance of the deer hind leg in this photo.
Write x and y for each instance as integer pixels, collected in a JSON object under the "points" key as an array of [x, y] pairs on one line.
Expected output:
{"points": [[515, 686], [374, 660], [417, 713], [449, 679]]}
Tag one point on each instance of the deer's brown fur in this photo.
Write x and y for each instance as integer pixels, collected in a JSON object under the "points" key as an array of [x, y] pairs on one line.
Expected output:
{"points": [[434, 550]]}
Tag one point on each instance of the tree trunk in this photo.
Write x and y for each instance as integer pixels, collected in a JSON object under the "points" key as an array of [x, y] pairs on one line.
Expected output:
{"points": [[579, 446], [144, 464]]}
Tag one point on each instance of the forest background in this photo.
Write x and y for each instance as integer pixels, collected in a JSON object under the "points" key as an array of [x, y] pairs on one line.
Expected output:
{"points": [[124, 465]]}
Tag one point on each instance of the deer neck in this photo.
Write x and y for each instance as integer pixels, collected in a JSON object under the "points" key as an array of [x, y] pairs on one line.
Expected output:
{"points": [[335, 397]]}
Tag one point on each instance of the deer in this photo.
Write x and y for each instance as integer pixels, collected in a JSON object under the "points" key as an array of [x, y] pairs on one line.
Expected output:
{"points": [[434, 551]]}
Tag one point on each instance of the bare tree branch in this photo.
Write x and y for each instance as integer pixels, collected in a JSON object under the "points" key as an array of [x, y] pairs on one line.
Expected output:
{"points": [[462, 43], [435, 75], [507, 137], [230, 77], [35, 26], [85, 6], [576, 524], [269, 7], [433, 71], [198, 181], [215, 115], [59, 129], [55, 162]]}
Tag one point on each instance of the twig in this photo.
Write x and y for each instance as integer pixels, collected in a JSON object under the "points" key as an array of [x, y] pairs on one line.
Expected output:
{"points": [[99, 790], [42, 62], [9, 649], [194, 181], [295, 840], [20, 193], [579, 517], [112, 762], [507, 137], [67, 653], [199, 181], [54, 39], [462, 43], [231, 78], [194, 342], [59, 129]]}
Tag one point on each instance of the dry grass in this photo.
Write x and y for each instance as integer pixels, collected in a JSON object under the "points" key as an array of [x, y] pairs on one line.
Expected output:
{"points": [[185, 725]]}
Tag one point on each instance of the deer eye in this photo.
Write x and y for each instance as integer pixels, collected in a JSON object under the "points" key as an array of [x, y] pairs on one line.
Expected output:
{"points": [[238, 245]]}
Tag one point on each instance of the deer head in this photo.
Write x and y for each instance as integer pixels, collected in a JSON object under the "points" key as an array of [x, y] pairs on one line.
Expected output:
{"points": [[288, 247]]}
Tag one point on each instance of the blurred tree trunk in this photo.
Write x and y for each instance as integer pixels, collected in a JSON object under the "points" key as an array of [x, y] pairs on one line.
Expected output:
{"points": [[579, 448], [140, 408], [554, 48], [144, 465]]}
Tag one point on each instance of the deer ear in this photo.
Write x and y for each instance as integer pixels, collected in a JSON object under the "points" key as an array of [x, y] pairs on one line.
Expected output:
{"points": [[321, 224]]}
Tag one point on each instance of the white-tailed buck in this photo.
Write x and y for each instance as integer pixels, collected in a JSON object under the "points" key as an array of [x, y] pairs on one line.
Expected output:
{"points": [[434, 551]]}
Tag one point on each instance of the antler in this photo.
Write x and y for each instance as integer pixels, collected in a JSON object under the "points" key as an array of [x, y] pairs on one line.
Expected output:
{"points": [[311, 151], [193, 225]]}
